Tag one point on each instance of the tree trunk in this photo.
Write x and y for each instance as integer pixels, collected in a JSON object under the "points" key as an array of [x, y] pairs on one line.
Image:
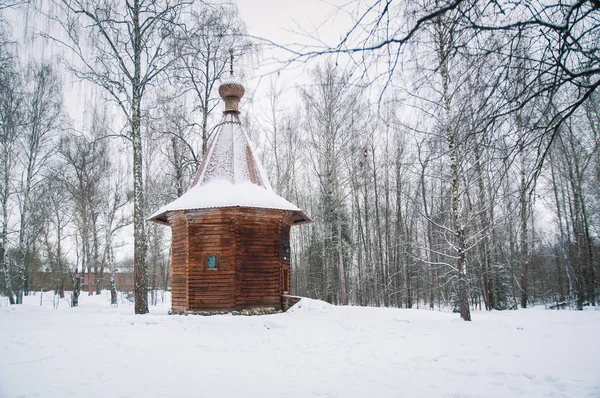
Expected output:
{"points": [[461, 264], [484, 222], [76, 279], [205, 121], [562, 240], [179, 184], [98, 282], [3, 262], [139, 222], [139, 234], [342, 273], [451, 133], [524, 239]]}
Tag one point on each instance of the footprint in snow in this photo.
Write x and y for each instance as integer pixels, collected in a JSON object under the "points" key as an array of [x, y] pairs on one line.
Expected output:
{"points": [[272, 325]]}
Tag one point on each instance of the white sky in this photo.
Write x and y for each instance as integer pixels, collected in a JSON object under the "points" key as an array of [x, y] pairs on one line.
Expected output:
{"points": [[273, 18], [287, 22], [291, 23]]}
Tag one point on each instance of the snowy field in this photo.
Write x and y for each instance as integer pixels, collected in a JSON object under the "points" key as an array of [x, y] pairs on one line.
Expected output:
{"points": [[312, 350]]}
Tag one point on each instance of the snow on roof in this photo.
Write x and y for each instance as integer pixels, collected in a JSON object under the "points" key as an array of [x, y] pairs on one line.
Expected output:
{"points": [[230, 174], [230, 156], [222, 193]]}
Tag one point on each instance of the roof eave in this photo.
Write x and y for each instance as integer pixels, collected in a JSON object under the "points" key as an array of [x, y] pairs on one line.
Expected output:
{"points": [[160, 218], [301, 218]]}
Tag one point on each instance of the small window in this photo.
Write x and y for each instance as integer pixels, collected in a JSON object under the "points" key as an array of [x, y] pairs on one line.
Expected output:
{"points": [[211, 262]]}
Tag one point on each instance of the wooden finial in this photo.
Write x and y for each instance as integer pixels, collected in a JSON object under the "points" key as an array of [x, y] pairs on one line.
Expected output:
{"points": [[230, 91]]}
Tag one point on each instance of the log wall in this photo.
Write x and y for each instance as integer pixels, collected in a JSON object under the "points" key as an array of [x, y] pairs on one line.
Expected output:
{"points": [[284, 257], [259, 266], [252, 247], [212, 233], [179, 257]]}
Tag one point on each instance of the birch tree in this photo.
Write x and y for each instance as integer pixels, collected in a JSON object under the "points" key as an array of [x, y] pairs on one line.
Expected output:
{"points": [[11, 123], [55, 231], [576, 151], [85, 175], [43, 120], [331, 115], [122, 48]]}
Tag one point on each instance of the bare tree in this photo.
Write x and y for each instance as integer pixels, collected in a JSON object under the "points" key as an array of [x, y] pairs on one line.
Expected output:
{"points": [[561, 41], [55, 230], [175, 130], [574, 157], [122, 48], [43, 121], [281, 140], [84, 175], [11, 122], [115, 200], [203, 57], [156, 183], [331, 114]]}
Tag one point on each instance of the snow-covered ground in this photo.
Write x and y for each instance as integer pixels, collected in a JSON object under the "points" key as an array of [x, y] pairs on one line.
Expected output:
{"points": [[312, 350]]}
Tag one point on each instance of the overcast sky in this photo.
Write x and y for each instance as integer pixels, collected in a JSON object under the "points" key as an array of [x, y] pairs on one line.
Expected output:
{"points": [[289, 21], [293, 24]]}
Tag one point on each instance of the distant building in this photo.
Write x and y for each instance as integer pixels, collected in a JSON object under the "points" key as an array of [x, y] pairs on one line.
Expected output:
{"points": [[47, 281], [230, 230]]}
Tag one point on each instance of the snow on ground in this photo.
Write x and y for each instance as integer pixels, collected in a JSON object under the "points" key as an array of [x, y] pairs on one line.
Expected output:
{"points": [[313, 350]]}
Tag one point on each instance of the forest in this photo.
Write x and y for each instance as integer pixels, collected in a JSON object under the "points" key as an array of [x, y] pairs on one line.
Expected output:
{"points": [[447, 151]]}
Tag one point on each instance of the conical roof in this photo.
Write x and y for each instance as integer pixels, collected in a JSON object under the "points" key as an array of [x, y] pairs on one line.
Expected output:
{"points": [[230, 174]]}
